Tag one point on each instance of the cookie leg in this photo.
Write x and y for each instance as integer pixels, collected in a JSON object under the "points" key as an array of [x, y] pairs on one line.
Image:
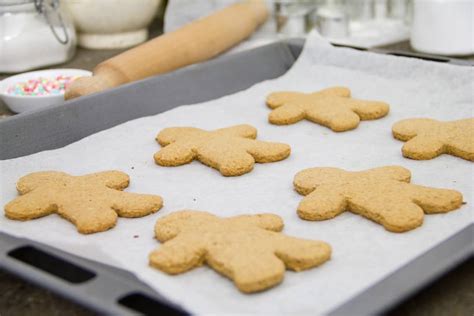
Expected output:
{"points": [[368, 110], [266, 151], [339, 120], [135, 205], [462, 147], [422, 148], [89, 217], [259, 271], [300, 254], [286, 114], [226, 158], [277, 99], [177, 256], [398, 216], [433, 200], [323, 203]]}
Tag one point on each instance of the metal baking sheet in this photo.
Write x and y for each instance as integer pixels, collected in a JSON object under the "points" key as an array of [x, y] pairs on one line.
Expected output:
{"points": [[107, 289]]}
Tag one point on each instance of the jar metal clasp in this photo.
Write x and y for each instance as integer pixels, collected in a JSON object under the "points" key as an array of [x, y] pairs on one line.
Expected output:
{"points": [[49, 8]]}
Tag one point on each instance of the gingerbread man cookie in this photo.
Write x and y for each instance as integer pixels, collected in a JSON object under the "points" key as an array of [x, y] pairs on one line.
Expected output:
{"points": [[383, 195], [427, 138], [91, 202], [332, 107], [232, 150], [249, 249]]}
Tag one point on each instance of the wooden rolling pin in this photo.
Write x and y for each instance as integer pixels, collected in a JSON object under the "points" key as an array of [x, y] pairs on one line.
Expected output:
{"points": [[195, 42]]}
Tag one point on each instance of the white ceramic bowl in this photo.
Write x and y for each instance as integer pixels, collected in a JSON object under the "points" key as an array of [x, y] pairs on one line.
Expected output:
{"points": [[107, 24], [23, 103]]}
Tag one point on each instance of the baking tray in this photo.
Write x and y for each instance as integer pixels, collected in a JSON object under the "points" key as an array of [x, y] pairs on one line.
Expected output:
{"points": [[109, 290]]}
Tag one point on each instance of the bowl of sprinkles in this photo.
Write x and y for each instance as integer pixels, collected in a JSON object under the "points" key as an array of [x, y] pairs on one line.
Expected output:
{"points": [[38, 89]]}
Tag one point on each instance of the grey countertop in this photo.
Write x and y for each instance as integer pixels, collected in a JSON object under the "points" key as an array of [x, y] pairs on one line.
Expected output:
{"points": [[453, 294]]}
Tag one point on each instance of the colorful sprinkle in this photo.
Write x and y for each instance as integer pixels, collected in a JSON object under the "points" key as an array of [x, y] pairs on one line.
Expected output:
{"points": [[42, 86]]}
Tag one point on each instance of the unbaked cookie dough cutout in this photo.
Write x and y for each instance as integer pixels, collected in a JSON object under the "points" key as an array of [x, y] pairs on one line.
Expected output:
{"points": [[233, 150], [91, 202], [384, 195], [248, 249], [427, 138], [331, 107]]}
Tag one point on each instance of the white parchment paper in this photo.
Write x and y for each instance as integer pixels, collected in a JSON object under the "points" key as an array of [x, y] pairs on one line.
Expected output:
{"points": [[363, 252]]}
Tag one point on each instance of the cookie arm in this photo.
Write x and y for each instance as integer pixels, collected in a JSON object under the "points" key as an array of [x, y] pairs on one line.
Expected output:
{"points": [[170, 226], [324, 202], [30, 206], [178, 255], [112, 179], [286, 114], [172, 134], [300, 254], [37, 179], [266, 221], [389, 172], [433, 200], [333, 92], [407, 129], [175, 154]]}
